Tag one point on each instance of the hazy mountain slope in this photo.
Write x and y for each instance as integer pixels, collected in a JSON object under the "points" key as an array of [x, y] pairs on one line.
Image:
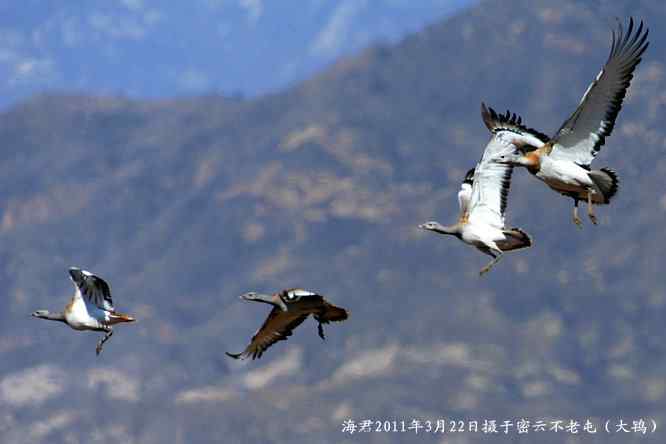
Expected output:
{"points": [[183, 205]]}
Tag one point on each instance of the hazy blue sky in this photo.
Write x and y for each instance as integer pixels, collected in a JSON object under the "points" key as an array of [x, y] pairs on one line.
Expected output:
{"points": [[150, 48]]}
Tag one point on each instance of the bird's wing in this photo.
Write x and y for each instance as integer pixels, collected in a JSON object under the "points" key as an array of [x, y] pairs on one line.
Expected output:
{"points": [[491, 186], [297, 294], [492, 180], [583, 134], [465, 194], [92, 288], [511, 124], [278, 326]]}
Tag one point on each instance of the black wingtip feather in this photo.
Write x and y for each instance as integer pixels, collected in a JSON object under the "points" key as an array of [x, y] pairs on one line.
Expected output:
{"points": [[234, 355], [630, 48], [469, 176], [506, 185], [508, 122]]}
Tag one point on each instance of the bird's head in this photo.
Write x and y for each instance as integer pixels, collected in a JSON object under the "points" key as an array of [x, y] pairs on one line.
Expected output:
{"points": [[439, 228], [40, 313], [274, 300], [431, 226], [249, 296]]}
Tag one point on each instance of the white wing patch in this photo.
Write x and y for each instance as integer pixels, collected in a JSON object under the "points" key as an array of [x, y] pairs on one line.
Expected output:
{"points": [[464, 196], [299, 293], [492, 180]]}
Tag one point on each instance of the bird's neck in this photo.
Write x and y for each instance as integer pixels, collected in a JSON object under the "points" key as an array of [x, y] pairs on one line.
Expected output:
{"points": [[53, 317], [532, 161], [453, 230], [265, 298]]}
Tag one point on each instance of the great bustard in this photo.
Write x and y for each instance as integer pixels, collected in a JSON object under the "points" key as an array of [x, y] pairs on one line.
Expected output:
{"points": [[563, 161], [290, 308], [481, 221], [91, 307]]}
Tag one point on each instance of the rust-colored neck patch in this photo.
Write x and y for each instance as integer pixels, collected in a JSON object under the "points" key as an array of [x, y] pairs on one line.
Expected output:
{"points": [[533, 161]]}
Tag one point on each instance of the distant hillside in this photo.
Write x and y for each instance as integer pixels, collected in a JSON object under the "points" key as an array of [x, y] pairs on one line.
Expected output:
{"points": [[183, 205]]}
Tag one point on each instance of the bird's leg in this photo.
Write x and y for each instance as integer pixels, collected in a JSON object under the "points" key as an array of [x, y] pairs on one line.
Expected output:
{"points": [[590, 208], [320, 331], [107, 336], [497, 255], [576, 219]]}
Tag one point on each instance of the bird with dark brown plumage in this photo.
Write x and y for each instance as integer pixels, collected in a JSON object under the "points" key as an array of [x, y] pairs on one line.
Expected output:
{"points": [[290, 308]]}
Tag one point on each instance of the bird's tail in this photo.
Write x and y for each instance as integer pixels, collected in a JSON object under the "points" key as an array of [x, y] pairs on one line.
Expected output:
{"points": [[606, 180], [116, 318], [333, 314], [515, 239]]}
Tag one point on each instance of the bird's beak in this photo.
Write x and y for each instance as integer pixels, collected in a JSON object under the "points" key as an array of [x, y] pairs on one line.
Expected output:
{"points": [[422, 226], [252, 296]]}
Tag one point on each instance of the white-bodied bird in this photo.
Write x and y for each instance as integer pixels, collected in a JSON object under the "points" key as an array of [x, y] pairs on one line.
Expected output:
{"points": [[483, 197], [91, 307], [563, 161]]}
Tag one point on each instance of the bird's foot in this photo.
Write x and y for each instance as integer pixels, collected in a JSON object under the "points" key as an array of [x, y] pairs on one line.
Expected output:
{"points": [[320, 331], [590, 207], [496, 258], [101, 342], [578, 222]]}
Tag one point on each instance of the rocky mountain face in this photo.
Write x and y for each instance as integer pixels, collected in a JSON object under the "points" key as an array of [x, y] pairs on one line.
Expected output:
{"points": [[183, 205]]}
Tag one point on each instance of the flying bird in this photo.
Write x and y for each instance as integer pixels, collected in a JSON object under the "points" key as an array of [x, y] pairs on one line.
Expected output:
{"points": [[290, 308], [563, 162], [483, 197], [91, 307]]}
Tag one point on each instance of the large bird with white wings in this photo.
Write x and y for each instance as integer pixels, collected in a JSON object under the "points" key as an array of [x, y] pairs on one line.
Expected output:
{"points": [[91, 307], [563, 162], [483, 196]]}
